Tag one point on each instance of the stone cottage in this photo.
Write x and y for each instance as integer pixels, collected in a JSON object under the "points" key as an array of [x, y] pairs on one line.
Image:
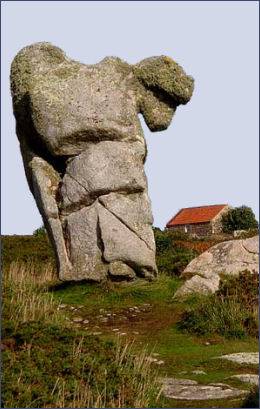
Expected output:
{"points": [[199, 221]]}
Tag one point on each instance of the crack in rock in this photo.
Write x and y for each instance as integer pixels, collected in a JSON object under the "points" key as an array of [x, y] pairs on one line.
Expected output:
{"points": [[125, 224]]}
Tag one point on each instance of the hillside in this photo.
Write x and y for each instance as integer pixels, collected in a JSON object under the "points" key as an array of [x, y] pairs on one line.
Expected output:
{"points": [[109, 344]]}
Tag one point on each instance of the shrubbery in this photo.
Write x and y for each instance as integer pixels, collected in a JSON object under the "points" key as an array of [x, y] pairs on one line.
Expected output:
{"points": [[40, 231], [232, 311], [171, 256], [239, 218]]}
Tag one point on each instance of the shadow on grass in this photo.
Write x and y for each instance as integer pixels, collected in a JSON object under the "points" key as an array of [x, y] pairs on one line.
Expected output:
{"points": [[72, 285], [252, 400]]}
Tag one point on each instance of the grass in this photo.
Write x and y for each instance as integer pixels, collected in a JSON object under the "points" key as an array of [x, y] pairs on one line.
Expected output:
{"points": [[25, 300], [232, 311], [184, 353], [49, 363], [181, 352], [109, 295], [34, 249]]}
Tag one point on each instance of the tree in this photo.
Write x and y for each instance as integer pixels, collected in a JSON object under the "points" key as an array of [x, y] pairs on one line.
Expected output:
{"points": [[239, 218], [40, 231]]}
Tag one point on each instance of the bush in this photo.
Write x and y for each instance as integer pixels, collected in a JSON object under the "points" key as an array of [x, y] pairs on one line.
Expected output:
{"points": [[239, 218], [173, 262], [171, 255], [163, 240], [40, 231], [232, 311], [242, 288]]}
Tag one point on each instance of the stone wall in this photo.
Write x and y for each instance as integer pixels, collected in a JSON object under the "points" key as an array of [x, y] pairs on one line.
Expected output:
{"points": [[199, 229], [216, 222]]}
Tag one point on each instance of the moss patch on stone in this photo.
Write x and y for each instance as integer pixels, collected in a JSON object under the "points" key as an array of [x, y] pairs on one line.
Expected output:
{"points": [[165, 74]]}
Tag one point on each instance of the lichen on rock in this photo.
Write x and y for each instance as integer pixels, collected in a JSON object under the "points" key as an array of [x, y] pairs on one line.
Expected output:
{"points": [[83, 150], [228, 258]]}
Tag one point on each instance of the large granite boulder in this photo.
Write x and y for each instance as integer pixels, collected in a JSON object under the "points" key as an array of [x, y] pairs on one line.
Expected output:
{"points": [[227, 258], [84, 151]]}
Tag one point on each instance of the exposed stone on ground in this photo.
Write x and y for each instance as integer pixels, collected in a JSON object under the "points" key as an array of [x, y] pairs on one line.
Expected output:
{"points": [[198, 284], [151, 359], [186, 389], [107, 319], [228, 258], [247, 378], [198, 372], [84, 151], [78, 319], [62, 306], [250, 358]]}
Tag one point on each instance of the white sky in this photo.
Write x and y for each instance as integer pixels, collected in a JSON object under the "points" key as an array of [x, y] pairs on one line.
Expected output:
{"points": [[209, 154]]}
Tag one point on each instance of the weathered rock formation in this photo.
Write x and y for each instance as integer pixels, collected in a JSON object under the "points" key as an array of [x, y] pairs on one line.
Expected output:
{"points": [[227, 258], [83, 150]]}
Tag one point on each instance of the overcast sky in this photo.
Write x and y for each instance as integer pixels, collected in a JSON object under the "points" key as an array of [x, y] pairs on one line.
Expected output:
{"points": [[209, 154]]}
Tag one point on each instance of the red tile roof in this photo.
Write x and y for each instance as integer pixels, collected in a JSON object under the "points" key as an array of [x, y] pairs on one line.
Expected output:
{"points": [[193, 215]]}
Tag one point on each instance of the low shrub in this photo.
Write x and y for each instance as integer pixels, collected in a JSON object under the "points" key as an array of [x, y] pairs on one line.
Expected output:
{"points": [[243, 288], [171, 256], [196, 246], [173, 262], [232, 311], [41, 231]]}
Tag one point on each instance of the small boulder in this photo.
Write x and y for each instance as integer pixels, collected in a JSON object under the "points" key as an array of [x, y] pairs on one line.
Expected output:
{"points": [[248, 358], [187, 389], [199, 285], [247, 378], [226, 258]]}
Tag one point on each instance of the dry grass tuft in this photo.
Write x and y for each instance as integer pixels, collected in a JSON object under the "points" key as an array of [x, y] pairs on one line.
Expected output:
{"points": [[23, 292]]}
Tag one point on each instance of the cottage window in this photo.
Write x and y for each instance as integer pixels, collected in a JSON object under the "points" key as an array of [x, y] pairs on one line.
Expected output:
{"points": [[186, 229]]}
